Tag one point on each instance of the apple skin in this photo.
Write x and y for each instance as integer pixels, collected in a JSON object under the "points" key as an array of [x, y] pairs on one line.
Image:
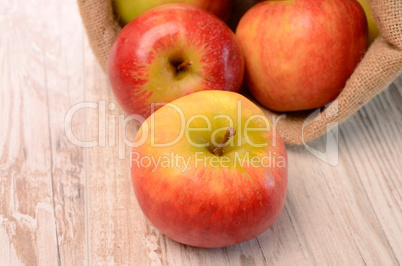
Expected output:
{"points": [[141, 64], [127, 10], [210, 206], [372, 26], [299, 54]]}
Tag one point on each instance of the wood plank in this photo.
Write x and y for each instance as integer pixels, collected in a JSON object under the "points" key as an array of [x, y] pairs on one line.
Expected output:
{"points": [[64, 77], [116, 224], [362, 192], [26, 206], [42, 201]]}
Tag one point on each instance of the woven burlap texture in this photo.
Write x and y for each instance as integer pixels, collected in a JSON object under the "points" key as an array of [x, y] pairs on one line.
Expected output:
{"points": [[380, 66]]}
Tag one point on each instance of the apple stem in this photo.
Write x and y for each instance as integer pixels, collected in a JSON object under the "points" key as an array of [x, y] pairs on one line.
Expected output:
{"points": [[218, 151], [184, 64]]}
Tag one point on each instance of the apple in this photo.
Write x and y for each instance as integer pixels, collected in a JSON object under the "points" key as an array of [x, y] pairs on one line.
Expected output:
{"points": [[209, 169], [127, 10], [299, 54], [171, 51], [372, 26]]}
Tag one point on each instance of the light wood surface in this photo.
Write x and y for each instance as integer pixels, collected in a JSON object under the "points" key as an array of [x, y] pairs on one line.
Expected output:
{"points": [[61, 204]]}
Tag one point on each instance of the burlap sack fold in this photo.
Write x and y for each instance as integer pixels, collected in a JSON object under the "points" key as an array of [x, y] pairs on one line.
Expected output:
{"points": [[380, 66]]}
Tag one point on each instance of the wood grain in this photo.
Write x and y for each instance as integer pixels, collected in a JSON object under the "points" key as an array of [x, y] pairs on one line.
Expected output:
{"points": [[42, 177], [61, 204]]}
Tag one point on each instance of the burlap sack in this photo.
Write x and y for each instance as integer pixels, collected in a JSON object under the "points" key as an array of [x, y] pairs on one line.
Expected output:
{"points": [[380, 66]]}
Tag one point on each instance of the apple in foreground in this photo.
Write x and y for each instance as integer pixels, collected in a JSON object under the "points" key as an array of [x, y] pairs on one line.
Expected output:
{"points": [[210, 170], [372, 26], [299, 54], [171, 51], [127, 10]]}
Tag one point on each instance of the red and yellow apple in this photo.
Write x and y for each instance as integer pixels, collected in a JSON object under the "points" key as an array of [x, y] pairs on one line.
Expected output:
{"points": [[171, 51], [127, 10], [299, 54], [209, 169]]}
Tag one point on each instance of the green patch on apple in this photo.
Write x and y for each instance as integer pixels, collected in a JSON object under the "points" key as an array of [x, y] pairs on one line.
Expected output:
{"points": [[127, 10]]}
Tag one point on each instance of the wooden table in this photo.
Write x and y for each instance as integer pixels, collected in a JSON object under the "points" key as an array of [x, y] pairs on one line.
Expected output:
{"points": [[70, 205]]}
